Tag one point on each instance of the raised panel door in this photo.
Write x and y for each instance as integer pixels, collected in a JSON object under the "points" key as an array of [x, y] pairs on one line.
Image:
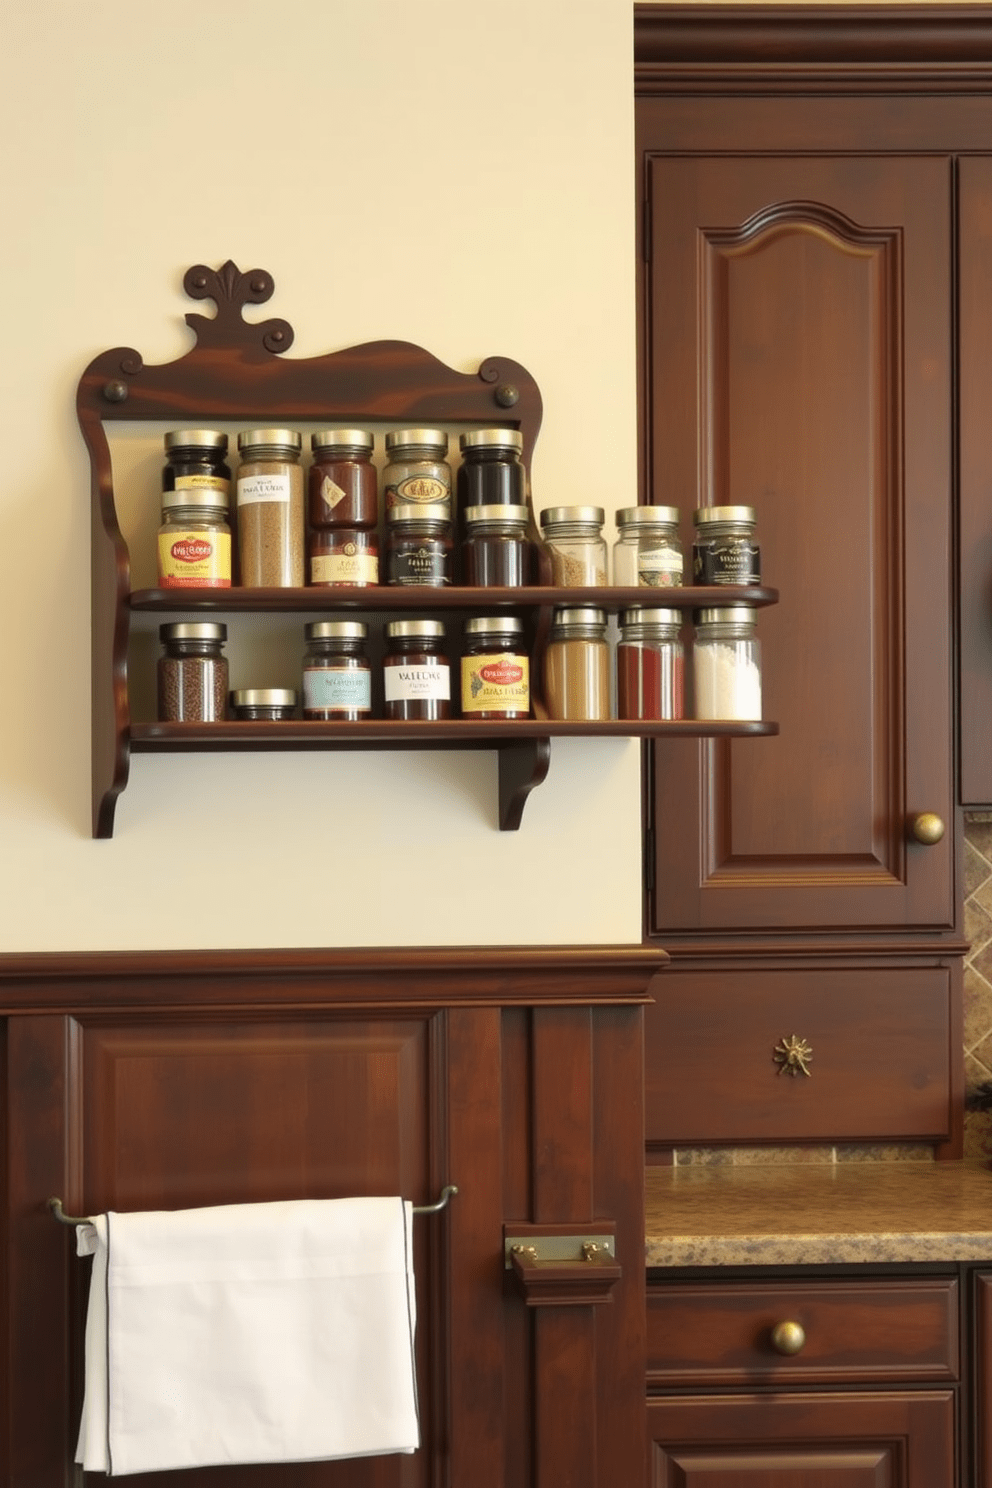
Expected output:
{"points": [[797, 359]]}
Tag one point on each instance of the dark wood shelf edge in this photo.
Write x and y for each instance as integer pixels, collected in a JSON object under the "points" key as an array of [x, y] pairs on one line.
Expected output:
{"points": [[452, 733], [425, 597]]}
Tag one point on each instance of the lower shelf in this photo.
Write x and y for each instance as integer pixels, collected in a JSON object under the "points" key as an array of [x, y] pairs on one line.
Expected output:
{"points": [[524, 746]]}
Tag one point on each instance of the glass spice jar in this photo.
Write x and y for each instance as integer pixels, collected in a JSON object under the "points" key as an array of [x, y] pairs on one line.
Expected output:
{"points": [[496, 550], [724, 550], [268, 704], [196, 461], [192, 673], [727, 664], [415, 670], [648, 549], [194, 540], [270, 509], [337, 677], [418, 545], [495, 668], [344, 556], [650, 664], [577, 665], [491, 473], [342, 484], [417, 472], [578, 549]]}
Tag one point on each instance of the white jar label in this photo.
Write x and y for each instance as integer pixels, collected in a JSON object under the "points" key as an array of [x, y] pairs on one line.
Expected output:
{"points": [[659, 567], [405, 684], [330, 492], [256, 488]]}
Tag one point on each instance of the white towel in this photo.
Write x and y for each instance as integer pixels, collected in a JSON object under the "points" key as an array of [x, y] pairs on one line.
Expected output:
{"points": [[249, 1333]]}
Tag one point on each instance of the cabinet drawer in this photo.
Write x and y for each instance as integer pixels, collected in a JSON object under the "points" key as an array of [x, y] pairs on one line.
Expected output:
{"points": [[897, 1331], [879, 1070]]}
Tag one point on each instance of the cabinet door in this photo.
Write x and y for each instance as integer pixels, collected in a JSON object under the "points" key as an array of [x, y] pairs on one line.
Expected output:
{"points": [[981, 1415], [798, 360], [899, 1439], [975, 338]]}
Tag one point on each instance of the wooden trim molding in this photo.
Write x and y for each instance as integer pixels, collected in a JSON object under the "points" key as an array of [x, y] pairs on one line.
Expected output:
{"points": [[757, 49], [412, 977]]}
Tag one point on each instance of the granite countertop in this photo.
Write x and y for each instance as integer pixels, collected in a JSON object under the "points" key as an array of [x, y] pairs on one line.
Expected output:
{"points": [[818, 1214]]}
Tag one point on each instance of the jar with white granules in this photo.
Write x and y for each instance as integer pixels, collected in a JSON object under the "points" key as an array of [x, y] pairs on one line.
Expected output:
{"points": [[727, 664]]}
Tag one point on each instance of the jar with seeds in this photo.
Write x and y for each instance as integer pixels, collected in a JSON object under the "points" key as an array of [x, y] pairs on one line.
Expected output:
{"points": [[270, 508], [192, 672], [574, 535]]}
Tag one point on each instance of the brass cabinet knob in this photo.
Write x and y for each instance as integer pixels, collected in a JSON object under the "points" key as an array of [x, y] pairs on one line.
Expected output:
{"points": [[928, 828], [788, 1337]]}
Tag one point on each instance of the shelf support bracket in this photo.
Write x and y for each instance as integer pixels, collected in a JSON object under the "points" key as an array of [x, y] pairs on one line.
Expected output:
{"points": [[523, 764]]}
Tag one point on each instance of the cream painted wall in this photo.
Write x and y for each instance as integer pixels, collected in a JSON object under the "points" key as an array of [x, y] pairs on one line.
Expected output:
{"points": [[453, 173]]}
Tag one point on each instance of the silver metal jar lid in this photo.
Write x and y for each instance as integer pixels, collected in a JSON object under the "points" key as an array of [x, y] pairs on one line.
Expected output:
{"points": [[705, 514], [581, 616], [399, 628], [263, 697], [429, 512], [741, 614], [189, 630], [495, 513], [643, 616], [215, 496], [511, 439], [493, 624], [642, 516], [210, 439], [339, 630], [555, 514], [432, 438], [342, 439], [253, 439]]}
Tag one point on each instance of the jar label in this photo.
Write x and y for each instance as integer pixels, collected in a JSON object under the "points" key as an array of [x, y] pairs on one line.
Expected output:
{"points": [[256, 488], [726, 561], [337, 687], [421, 490], [417, 683], [425, 564], [660, 568], [496, 684], [349, 566], [331, 493], [202, 483], [194, 560]]}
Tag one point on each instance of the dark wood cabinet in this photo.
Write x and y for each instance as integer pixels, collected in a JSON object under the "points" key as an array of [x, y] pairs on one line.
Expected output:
{"points": [[742, 1408], [179, 1081], [813, 342]]}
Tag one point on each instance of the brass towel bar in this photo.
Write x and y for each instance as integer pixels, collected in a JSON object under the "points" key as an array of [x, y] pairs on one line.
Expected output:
{"points": [[448, 1192]]}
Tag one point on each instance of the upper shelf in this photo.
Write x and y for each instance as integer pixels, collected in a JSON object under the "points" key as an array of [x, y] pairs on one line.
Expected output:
{"points": [[425, 597]]}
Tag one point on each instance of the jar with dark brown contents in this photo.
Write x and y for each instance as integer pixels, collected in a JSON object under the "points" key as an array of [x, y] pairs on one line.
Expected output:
{"points": [[192, 673], [416, 674], [271, 539], [418, 545], [496, 550], [495, 669], [344, 556], [343, 486], [491, 473], [264, 704], [337, 678]]}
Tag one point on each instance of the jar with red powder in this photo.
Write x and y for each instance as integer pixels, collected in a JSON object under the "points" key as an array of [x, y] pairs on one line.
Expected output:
{"points": [[650, 665]]}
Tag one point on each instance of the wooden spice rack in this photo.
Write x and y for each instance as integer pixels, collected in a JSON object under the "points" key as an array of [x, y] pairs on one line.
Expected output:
{"points": [[236, 371]]}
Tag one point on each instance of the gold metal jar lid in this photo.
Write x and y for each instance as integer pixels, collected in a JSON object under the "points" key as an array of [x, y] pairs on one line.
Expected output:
{"points": [[510, 439]]}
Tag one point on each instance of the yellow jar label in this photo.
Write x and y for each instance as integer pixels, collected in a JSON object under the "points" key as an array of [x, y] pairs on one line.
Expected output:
{"points": [[194, 560], [202, 483], [348, 566], [495, 684]]}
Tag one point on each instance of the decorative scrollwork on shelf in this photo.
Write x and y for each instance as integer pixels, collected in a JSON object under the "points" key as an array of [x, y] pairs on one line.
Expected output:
{"points": [[793, 1056], [231, 289]]}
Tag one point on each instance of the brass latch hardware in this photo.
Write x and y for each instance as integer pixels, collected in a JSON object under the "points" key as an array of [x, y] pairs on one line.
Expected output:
{"points": [[558, 1248], [793, 1056]]}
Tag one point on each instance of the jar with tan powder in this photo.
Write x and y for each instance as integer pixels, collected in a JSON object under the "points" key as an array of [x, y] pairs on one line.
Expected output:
{"points": [[270, 506], [577, 666]]}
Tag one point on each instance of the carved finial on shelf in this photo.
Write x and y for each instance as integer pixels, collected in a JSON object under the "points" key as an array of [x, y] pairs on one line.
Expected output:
{"points": [[231, 290]]}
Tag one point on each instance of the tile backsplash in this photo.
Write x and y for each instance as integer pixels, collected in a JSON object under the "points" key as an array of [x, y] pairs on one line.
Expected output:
{"points": [[977, 1036]]}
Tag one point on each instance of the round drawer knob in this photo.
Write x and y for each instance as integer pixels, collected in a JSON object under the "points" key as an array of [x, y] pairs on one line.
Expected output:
{"points": [[788, 1337], [928, 828]]}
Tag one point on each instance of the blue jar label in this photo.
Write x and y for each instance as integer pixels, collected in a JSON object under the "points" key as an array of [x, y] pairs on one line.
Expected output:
{"points": [[337, 687]]}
